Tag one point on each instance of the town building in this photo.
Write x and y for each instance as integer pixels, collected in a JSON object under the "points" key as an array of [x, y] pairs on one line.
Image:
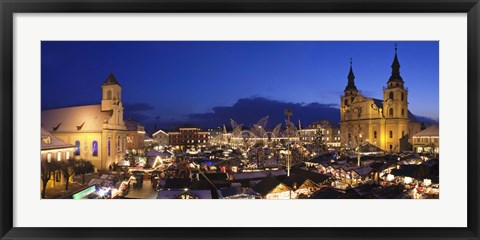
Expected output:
{"points": [[187, 137], [271, 188], [97, 132], [160, 137], [214, 132], [427, 140], [55, 149], [386, 123], [135, 137], [329, 133]]}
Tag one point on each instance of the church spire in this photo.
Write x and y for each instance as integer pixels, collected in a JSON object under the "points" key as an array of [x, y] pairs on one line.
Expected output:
{"points": [[111, 80], [395, 77], [351, 79]]}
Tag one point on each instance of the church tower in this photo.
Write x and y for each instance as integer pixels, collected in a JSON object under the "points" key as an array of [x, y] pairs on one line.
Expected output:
{"points": [[395, 96], [350, 93], [112, 100], [395, 109]]}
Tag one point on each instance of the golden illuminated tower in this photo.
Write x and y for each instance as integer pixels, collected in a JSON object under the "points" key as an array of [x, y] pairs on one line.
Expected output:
{"points": [[114, 129], [395, 107], [112, 100], [350, 90]]}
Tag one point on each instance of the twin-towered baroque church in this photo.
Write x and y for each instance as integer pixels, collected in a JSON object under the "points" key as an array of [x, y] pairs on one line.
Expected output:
{"points": [[386, 123]]}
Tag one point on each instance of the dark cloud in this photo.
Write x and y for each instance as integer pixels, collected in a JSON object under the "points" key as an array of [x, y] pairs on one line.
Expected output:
{"points": [[249, 110], [140, 117], [138, 107], [425, 119]]}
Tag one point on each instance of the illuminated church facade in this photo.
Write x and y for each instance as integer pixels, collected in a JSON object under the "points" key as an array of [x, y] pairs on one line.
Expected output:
{"points": [[97, 132], [386, 123]]}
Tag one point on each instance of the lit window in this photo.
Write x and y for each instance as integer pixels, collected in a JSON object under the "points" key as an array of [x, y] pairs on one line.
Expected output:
{"points": [[49, 157], [77, 148], [94, 148], [67, 155], [59, 156]]}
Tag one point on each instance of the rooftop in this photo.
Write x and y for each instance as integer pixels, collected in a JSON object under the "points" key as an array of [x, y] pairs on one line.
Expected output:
{"points": [[88, 118]]}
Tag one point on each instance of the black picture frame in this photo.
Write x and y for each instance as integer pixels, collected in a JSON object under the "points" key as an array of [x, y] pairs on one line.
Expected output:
{"points": [[9, 7]]}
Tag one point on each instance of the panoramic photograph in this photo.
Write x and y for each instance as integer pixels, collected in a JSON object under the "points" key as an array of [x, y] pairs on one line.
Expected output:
{"points": [[239, 120]]}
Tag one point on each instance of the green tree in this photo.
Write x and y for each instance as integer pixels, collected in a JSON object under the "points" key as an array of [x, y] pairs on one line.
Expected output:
{"points": [[83, 167], [68, 169]]}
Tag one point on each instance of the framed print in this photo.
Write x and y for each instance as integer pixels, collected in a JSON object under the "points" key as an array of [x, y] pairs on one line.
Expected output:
{"points": [[236, 119]]}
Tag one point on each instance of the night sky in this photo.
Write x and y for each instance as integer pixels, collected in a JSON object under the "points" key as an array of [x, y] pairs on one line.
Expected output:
{"points": [[206, 82]]}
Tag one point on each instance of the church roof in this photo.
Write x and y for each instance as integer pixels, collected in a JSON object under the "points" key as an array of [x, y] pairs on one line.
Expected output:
{"points": [[111, 80], [411, 117], [51, 142], [395, 77], [430, 131], [351, 79], [378, 102], [89, 118]]}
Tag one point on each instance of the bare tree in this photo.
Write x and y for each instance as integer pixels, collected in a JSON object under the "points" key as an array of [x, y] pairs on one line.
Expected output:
{"points": [[83, 167], [68, 169], [46, 171], [354, 136]]}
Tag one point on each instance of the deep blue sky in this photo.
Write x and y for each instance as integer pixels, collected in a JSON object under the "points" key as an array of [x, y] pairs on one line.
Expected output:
{"points": [[207, 83]]}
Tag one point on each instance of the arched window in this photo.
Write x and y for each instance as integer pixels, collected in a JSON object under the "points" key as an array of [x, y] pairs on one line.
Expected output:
{"points": [[374, 134], [390, 95], [118, 144], [77, 148], [109, 95], [391, 134], [108, 147], [390, 112], [402, 96], [94, 148], [403, 112], [59, 156]]}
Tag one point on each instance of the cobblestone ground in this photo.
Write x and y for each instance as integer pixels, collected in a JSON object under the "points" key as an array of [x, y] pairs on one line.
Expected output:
{"points": [[146, 192]]}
